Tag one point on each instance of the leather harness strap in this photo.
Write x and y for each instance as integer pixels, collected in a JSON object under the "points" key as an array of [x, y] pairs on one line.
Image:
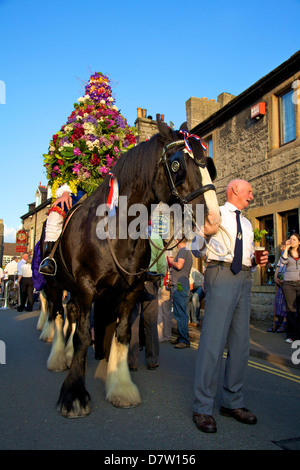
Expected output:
{"points": [[143, 271]]}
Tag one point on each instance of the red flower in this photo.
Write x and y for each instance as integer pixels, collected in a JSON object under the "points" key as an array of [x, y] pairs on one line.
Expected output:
{"points": [[60, 162], [77, 133], [55, 137], [95, 160], [130, 138]]}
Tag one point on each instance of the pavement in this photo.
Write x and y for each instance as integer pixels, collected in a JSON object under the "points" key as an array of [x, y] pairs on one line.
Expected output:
{"points": [[268, 346]]}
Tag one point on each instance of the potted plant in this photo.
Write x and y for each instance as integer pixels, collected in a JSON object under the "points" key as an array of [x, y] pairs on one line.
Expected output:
{"points": [[258, 250], [258, 234]]}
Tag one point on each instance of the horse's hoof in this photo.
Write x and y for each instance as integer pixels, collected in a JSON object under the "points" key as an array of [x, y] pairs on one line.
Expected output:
{"points": [[123, 401], [77, 410], [124, 405]]}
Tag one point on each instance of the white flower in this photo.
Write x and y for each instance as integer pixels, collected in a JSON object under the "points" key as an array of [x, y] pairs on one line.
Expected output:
{"points": [[82, 99], [102, 101], [68, 128], [89, 144], [89, 128], [114, 107]]}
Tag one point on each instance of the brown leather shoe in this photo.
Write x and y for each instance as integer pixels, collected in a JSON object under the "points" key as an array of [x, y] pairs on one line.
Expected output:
{"points": [[240, 414], [181, 345], [205, 423]]}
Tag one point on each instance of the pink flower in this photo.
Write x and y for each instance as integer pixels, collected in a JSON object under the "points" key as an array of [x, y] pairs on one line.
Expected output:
{"points": [[103, 170]]}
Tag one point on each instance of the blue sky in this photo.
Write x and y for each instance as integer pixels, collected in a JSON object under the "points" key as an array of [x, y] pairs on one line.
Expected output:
{"points": [[158, 54]]}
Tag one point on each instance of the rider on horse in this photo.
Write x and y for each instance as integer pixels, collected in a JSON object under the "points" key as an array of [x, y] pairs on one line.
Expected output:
{"points": [[81, 154]]}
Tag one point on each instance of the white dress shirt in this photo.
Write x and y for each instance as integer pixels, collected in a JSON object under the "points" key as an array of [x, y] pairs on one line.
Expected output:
{"points": [[228, 217], [20, 264], [26, 270], [11, 268]]}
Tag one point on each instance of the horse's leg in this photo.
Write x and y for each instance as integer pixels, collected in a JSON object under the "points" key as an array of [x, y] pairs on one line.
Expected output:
{"points": [[56, 361], [48, 329], [74, 400], [120, 390], [43, 315], [69, 332]]}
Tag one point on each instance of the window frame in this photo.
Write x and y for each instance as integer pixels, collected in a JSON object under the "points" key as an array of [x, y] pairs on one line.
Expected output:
{"points": [[281, 121]]}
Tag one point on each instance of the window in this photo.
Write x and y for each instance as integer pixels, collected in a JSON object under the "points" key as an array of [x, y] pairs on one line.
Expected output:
{"points": [[287, 117]]}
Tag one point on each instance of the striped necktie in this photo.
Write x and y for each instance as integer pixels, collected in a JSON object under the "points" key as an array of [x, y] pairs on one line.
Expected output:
{"points": [[236, 265]]}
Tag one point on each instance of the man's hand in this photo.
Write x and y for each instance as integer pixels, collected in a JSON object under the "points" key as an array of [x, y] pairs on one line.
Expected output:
{"points": [[264, 259], [65, 200]]}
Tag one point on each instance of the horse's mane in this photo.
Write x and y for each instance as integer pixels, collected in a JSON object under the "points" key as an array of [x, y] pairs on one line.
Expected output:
{"points": [[137, 166]]}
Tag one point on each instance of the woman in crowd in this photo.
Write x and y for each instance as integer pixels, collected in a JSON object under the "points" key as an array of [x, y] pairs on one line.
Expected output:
{"points": [[291, 286]]}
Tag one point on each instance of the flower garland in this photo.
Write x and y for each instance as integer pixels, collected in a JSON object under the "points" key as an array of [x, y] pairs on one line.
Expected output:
{"points": [[84, 150]]}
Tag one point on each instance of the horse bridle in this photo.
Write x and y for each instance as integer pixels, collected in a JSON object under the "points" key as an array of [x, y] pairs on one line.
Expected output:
{"points": [[168, 169]]}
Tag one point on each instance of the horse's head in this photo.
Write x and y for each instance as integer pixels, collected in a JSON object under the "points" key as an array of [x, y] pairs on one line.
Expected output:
{"points": [[189, 175]]}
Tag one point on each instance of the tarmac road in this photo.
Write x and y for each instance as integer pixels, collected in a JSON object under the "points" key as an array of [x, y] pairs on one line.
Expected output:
{"points": [[163, 422]]}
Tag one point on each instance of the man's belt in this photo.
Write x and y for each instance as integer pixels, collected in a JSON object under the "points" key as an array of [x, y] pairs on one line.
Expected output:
{"points": [[226, 265]]}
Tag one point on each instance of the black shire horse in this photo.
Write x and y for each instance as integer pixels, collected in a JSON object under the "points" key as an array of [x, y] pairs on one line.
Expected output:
{"points": [[96, 270]]}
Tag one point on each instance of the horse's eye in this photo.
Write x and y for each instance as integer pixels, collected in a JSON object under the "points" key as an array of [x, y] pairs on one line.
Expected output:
{"points": [[175, 166]]}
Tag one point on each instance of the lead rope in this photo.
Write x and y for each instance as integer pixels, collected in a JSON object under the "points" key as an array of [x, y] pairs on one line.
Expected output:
{"points": [[228, 248]]}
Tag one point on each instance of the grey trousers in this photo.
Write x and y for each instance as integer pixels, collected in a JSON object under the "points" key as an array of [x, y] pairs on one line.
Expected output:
{"points": [[226, 318]]}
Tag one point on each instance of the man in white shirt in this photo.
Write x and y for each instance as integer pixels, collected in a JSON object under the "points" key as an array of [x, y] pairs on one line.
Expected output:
{"points": [[22, 261], [227, 285], [11, 269]]}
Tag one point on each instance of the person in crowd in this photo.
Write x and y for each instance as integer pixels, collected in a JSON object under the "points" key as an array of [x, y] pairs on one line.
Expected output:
{"points": [[26, 286], [11, 269], [181, 267], [145, 314], [227, 286], [291, 286], [22, 261], [279, 322], [195, 296], [164, 321]]}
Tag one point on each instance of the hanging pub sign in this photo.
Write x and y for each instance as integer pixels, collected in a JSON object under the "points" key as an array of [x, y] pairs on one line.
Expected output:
{"points": [[21, 240], [21, 237]]}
